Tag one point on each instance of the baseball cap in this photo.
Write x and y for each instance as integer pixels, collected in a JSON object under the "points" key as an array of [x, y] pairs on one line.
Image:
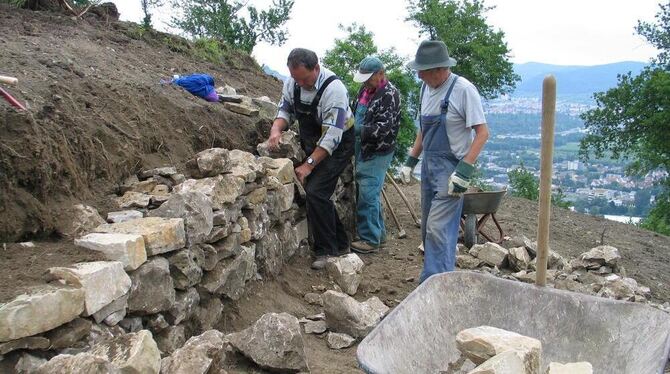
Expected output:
{"points": [[367, 68]]}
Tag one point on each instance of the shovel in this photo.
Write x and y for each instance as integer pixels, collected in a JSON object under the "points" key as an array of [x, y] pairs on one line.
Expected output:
{"points": [[401, 232]]}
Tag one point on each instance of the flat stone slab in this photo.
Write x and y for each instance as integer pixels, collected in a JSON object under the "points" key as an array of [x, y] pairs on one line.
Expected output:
{"points": [[160, 235], [129, 249], [40, 310], [102, 282]]}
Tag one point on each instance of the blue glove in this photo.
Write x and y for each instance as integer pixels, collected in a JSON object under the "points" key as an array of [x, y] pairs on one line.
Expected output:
{"points": [[459, 181]]}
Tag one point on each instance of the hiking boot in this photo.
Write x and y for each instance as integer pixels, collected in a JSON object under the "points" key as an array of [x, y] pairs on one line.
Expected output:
{"points": [[363, 247], [320, 262]]}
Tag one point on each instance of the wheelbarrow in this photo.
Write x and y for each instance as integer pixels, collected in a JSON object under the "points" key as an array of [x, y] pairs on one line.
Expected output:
{"points": [[419, 335], [484, 203]]}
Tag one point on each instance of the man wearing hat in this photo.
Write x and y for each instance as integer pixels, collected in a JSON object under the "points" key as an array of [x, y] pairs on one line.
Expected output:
{"points": [[451, 110], [377, 119], [318, 100]]}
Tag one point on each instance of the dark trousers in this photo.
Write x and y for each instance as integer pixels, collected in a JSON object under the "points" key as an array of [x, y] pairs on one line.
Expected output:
{"points": [[330, 237]]}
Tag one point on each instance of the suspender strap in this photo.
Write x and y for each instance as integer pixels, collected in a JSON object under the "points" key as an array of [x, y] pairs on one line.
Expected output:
{"points": [[319, 93], [445, 104], [317, 98]]}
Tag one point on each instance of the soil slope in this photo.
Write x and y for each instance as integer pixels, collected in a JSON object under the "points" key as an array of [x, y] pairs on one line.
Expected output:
{"points": [[97, 112]]}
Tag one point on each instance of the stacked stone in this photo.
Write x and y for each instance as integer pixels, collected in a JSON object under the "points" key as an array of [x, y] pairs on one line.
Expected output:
{"points": [[182, 248]]}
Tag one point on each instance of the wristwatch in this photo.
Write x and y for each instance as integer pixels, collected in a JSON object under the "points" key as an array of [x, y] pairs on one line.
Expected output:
{"points": [[310, 161]]}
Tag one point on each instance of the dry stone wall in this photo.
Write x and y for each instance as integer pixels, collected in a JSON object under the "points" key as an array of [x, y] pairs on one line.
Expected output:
{"points": [[178, 249]]}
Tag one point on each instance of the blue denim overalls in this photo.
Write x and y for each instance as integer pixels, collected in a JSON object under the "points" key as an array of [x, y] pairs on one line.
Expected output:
{"points": [[440, 212]]}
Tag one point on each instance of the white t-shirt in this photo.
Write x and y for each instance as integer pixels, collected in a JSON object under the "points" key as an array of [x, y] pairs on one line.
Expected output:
{"points": [[465, 110]]}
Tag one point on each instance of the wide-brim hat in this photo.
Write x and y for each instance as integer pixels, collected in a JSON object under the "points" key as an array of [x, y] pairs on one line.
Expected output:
{"points": [[431, 54]]}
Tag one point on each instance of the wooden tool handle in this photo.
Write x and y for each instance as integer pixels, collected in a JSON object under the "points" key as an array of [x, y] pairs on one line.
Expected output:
{"points": [[8, 80]]}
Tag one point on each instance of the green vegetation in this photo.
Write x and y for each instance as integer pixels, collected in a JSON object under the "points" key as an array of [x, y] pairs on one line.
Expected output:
{"points": [[147, 6], [525, 185], [343, 60], [224, 20], [481, 52], [632, 120]]}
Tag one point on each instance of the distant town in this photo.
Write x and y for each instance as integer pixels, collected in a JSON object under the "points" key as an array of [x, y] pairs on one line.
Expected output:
{"points": [[598, 187]]}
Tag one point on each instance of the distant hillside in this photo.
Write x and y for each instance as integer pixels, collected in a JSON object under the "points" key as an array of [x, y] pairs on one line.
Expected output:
{"points": [[267, 70], [572, 80]]}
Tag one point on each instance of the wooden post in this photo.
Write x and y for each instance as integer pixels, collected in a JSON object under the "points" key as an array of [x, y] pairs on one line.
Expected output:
{"points": [[546, 161]]}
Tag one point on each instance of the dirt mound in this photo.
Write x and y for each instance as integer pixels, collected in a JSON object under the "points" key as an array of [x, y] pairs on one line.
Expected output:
{"points": [[97, 112]]}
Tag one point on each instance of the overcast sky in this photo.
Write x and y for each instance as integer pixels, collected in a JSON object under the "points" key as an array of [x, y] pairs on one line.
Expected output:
{"points": [[563, 32]]}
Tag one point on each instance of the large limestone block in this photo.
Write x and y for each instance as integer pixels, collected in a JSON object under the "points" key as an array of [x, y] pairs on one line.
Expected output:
{"points": [[196, 210], [346, 315], [68, 334], [508, 362], [152, 288], [285, 196], [209, 163], [280, 168], [269, 255], [347, 271], [289, 147], [131, 353], [184, 269], [102, 282], [229, 277], [273, 342], [160, 234], [41, 309], [196, 356], [83, 363], [490, 253], [603, 255], [184, 307], [222, 189], [483, 342], [126, 248], [84, 219]]}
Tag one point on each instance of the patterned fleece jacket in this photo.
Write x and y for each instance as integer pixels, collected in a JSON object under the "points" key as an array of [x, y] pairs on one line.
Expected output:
{"points": [[381, 122]]}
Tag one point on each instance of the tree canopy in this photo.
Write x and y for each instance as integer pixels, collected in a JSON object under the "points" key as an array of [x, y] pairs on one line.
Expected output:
{"points": [[343, 60], [226, 20], [632, 120], [482, 53]]}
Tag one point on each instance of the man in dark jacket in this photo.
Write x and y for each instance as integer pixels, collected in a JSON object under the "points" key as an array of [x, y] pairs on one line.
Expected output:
{"points": [[377, 119]]}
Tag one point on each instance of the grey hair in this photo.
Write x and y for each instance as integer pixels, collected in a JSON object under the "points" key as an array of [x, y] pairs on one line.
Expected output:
{"points": [[302, 57]]}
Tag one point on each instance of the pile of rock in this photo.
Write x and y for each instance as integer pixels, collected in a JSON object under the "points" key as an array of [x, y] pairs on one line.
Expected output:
{"points": [[181, 248], [596, 272]]}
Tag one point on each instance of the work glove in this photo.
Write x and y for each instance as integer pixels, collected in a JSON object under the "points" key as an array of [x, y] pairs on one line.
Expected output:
{"points": [[407, 169], [459, 181]]}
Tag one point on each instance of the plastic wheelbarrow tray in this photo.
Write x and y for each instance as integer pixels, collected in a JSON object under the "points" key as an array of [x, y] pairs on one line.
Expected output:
{"points": [[419, 335]]}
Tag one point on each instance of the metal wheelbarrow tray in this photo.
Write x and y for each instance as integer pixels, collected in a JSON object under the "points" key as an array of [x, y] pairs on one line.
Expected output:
{"points": [[419, 335], [484, 203]]}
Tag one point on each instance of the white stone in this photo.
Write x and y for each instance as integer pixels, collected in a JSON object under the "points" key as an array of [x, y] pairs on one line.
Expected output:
{"points": [[483, 342], [131, 353], [491, 253], [508, 362], [280, 168], [102, 282], [133, 199], [347, 271], [196, 356], [123, 215], [339, 341], [160, 234], [41, 309], [570, 368], [126, 248]]}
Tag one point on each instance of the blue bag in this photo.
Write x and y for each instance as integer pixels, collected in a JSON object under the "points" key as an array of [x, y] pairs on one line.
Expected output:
{"points": [[201, 85]]}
